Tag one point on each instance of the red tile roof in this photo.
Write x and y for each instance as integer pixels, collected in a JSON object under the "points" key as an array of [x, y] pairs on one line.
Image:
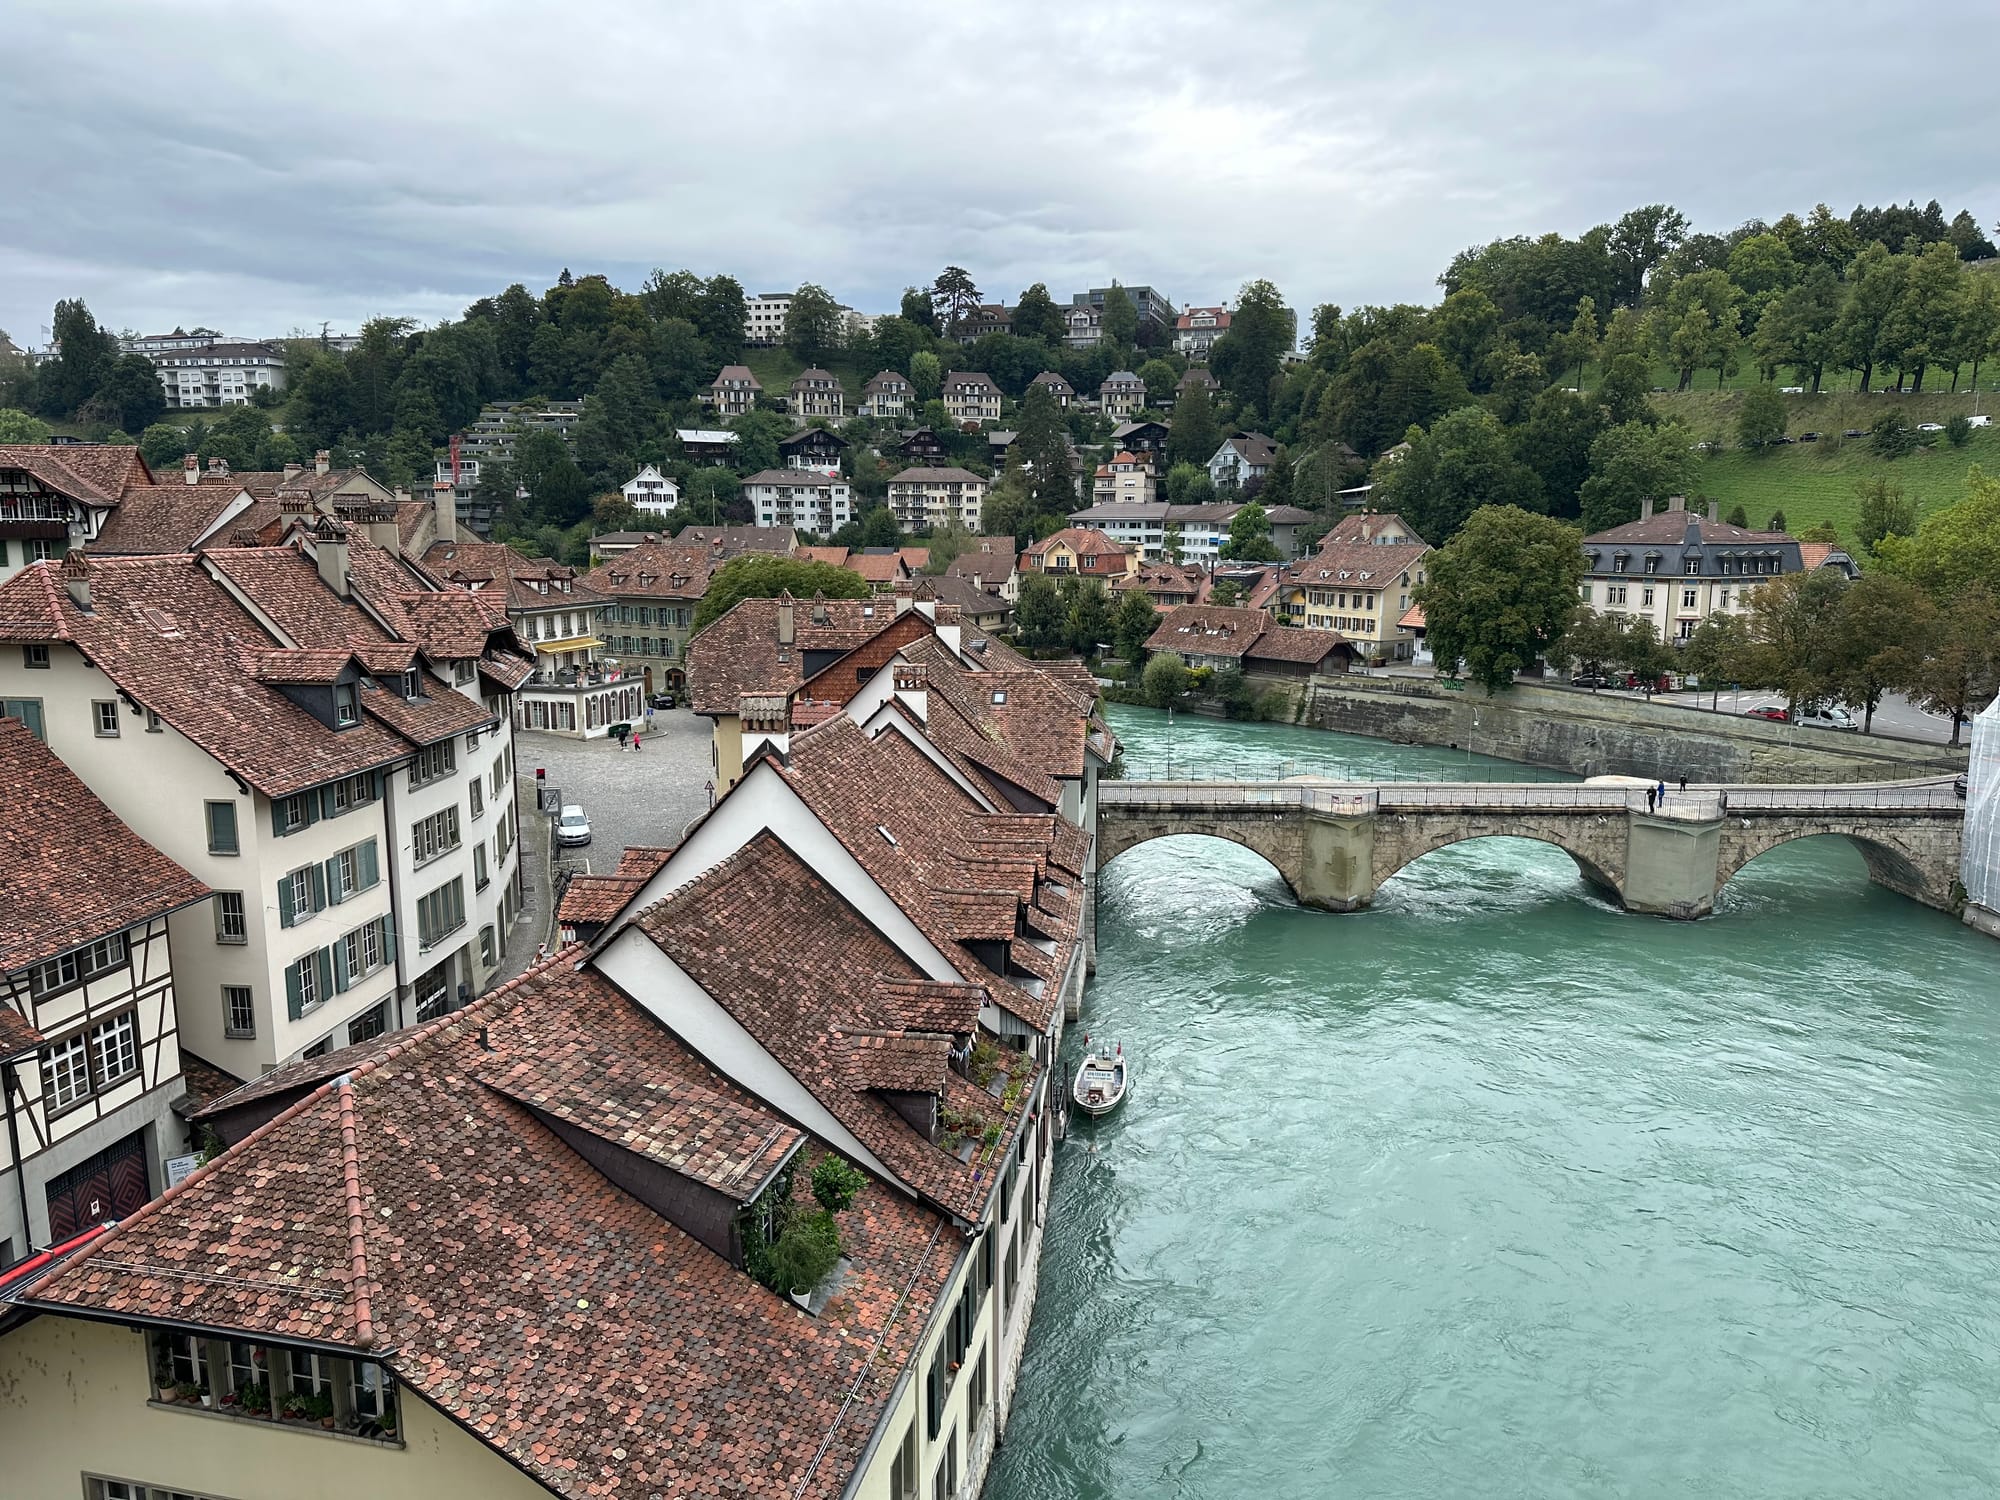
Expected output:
{"points": [[888, 568], [1213, 630], [657, 569], [740, 653], [100, 475], [163, 518], [17, 1037], [412, 1207], [497, 568]]}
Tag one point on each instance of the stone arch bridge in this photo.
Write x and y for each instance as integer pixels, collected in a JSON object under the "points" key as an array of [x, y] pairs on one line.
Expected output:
{"points": [[1336, 842]]}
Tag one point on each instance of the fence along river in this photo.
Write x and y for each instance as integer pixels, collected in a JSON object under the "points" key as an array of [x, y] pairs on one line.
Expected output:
{"points": [[1494, 1189]]}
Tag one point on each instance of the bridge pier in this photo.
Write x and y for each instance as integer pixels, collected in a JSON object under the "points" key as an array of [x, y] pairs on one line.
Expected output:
{"points": [[1670, 866], [1336, 870]]}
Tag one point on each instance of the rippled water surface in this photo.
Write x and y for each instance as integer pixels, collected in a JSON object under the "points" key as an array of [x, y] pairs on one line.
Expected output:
{"points": [[1496, 1191]]}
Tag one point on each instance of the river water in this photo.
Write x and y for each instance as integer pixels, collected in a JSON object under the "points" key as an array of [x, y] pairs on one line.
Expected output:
{"points": [[1494, 1190]]}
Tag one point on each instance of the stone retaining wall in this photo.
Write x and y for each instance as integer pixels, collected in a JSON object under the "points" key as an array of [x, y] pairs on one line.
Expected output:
{"points": [[1602, 734]]}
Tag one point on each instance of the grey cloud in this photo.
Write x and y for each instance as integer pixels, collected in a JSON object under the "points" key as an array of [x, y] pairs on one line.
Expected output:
{"points": [[264, 167]]}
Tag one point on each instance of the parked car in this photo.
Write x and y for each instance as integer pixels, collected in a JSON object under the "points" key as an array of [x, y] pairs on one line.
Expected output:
{"points": [[1984, 419], [1781, 438], [1590, 680], [661, 700], [572, 827], [1791, 390], [1769, 711], [1958, 785], [1930, 427], [1854, 432], [1808, 437], [1828, 716]]}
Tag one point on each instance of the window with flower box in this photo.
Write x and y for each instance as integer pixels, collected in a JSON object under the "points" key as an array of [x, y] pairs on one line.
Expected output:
{"points": [[274, 1383]]}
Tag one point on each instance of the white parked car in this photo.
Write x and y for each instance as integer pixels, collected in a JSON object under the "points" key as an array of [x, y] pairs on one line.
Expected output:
{"points": [[1982, 420], [572, 827], [1828, 716], [1791, 390], [1930, 427]]}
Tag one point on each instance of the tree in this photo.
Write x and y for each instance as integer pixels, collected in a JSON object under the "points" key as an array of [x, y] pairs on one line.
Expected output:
{"points": [[1501, 592], [918, 308], [1248, 357], [946, 543], [558, 494], [1043, 443], [1792, 631], [1624, 390], [1714, 651], [1250, 536], [812, 323], [758, 433], [710, 493], [19, 427], [1090, 617], [319, 405], [955, 295], [1121, 318], [1642, 653], [1874, 287], [1465, 461], [1631, 463], [1796, 329], [1960, 673], [1591, 641], [757, 575], [1578, 345], [1133, 624], [1170, 543], [1639, 242], [926, 374], [1737, 517], [1978, 324], [1555, 442], [1700, 325], [1010, 504], [1923, 327], [1761, 418], [1041, 618], [1194, 434], [1226, 593], [1955, 549], [879, 528], [1465, 328], [1038, 317], [719, 318], [1159, 377], [1189, 484], [1165, 680], [1777, 521], [1892, 435], [1884, 512], [1881, 629], [84, 356], [1762, 267]]}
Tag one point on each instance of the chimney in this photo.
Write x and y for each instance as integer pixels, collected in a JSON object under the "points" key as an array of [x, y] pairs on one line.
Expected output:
{"points": [[385, 533], [913, 690], [330, 555], [322, 461], [444, 501], [292, 470], [787, 625], [906, 596], [219, 467], [1677, 502], [76, 578], [1715, 510], [766, 718], [949, 630], [191, 468], [1646, 509]]}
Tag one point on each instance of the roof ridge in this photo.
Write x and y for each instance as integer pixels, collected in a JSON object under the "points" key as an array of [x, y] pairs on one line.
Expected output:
{"points": [[358, 1292]]}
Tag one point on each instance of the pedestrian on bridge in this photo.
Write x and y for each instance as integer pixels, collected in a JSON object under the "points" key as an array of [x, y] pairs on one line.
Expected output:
{"points": [[1651, 799], [1663, 792], [1684, 781]]}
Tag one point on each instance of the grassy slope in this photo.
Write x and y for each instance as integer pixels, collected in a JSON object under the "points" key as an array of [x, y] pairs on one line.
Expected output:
{"points": [[1812, 482], [776, 368]]}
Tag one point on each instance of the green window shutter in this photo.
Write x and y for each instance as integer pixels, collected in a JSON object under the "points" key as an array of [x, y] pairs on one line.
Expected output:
{"points": [[323, 959], [370, 871], [312, 810], [278, 829], [389, 938], [294, 1002], [286, 914], [333, 893], [341, 978], [316, 878]]}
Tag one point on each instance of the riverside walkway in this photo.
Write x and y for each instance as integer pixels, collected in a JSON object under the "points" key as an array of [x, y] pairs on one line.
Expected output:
{"points": [[1335, 842]]}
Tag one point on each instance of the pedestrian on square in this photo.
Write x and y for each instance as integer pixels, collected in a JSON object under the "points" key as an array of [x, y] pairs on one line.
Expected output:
{"points": [[635, 742]]}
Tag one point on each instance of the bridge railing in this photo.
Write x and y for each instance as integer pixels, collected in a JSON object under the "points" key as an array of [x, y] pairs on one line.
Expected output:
{"points": [[1695, 803], [1346, 798], [1902, 796]]}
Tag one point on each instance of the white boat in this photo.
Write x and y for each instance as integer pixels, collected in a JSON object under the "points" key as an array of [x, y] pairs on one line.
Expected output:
{"points": [[1100, 1082]]}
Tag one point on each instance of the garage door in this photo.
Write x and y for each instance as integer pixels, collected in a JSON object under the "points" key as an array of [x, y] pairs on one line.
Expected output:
{"points": [[110, 1185]]}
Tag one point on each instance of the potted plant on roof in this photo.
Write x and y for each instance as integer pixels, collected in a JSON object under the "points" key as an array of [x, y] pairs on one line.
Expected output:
{"points": [[805, 1254], [387, 1423]]}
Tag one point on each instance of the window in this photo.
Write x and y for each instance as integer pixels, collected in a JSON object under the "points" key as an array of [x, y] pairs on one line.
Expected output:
{"points": [[478, 796], [1582, 592], [290, 814], [91, 1061], [78, 967], [35, 656], [222, 828], [239, 1011], [27, 710], [66, 1073], [975, 1391], [435, 835], [345, 710], [946, 1487], [1646, 598], [479, 876], [441, 912], [903, 1467], [1652, 565], [370, 1024], [432, 762], [306, 984], [471, 740], [1687, 598], [230, 924], [433, 994], [319, 1048], [364, 950], [487, 956], [300, 894], [131, 1489], [104, 719], [351, 792], [1694, 564], [152, 722]]}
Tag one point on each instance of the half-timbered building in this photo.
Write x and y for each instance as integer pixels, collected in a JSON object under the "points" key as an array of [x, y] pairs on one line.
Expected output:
{"points": [[89, 1045]]}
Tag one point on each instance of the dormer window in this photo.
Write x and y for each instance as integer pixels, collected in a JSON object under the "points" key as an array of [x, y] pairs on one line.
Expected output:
{"points": [[410, 684], [346, 711], [1694, 563]]}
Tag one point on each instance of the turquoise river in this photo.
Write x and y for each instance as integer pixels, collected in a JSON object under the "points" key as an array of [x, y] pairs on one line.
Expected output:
{"points": [[1494, 1190]]}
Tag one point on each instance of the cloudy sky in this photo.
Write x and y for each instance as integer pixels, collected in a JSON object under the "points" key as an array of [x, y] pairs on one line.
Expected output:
{"points": [[262, 167]]}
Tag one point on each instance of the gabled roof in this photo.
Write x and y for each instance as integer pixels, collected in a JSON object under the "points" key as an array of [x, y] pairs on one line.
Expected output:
{"points": [[657, 569], [950, 474], [971, 380], [736, 374], [1367, 564], [70, 870], [1082, 540], [101, 475], [1215, 630], [740, 653], [556, 1317], [882, 569], [882, 380], [163, 518], [496, 569]]}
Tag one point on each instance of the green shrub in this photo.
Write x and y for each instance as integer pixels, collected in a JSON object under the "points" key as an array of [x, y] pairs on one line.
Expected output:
{"points": [[1958, 430], [1893, 435], [835, 1183], [806, 1252], [1165, 680]]}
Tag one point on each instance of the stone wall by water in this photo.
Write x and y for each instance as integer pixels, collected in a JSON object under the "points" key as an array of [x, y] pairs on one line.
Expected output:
{"points": [[1599, 735]]}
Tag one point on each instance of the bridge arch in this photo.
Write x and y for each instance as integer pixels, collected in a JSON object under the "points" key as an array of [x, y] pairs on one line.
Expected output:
{"points": [[1272, 842], [1591, 862], [1909, 857]]}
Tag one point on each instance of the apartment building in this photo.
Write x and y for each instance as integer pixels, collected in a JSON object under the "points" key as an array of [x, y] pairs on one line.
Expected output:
{"points": [[897, 1053], [1079, 552], [1243, 456], [1122, 394], [971, 397], [55, 496], [1198, 530], [654, 589], [651, 491], [570, 690], [926, 498], [818, 393], [1362, 583], [764, 318], [803, 499], [219, 374], [734, 391], [89, 1044], [339, 777], [1197, 329], [1156, 310], [887, 396], [820, 449], [1127, 479], [1675, 566]]}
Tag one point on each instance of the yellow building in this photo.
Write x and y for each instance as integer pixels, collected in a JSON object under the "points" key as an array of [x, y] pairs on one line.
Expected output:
{"points": [[1362, 583]]}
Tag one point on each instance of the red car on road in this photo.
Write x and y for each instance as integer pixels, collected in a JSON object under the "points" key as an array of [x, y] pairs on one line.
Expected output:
{"points": [[1769, 711]]}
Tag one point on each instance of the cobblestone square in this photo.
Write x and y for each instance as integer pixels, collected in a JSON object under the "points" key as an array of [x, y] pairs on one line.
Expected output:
{"points": [[644, 796]]}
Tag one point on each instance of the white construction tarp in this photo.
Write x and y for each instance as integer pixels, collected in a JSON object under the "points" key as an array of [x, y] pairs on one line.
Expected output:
{"points": [[1980, 867]]}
